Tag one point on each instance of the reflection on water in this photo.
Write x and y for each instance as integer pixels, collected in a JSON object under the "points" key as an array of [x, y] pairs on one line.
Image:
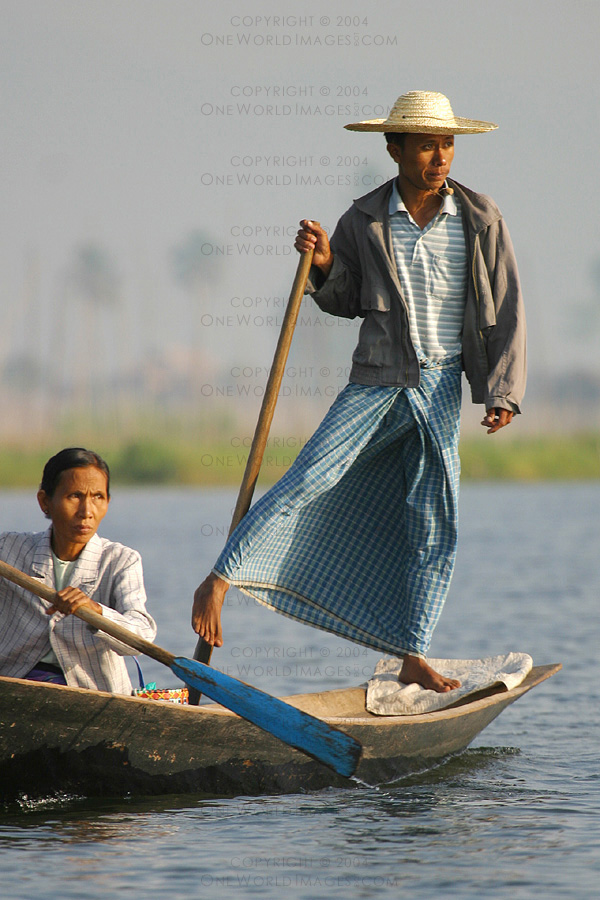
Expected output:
{"points": [[77, 818]]}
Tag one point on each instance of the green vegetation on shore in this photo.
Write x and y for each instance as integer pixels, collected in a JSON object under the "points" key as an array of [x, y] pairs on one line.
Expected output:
{"points": [[548, 458], [574, 457]]}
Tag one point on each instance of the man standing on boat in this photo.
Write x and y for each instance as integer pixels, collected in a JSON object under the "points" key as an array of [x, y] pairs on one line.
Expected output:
{"points": [[359, 537]]}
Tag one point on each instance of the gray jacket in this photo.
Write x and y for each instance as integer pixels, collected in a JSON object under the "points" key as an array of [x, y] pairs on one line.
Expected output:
{"points": [[364, 282]]}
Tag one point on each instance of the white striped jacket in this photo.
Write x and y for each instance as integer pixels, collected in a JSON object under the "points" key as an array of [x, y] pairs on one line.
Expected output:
{"points": [[109, 573]]}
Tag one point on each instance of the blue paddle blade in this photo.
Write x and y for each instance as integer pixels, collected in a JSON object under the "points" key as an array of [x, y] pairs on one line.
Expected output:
{"points": [[296, 728]]}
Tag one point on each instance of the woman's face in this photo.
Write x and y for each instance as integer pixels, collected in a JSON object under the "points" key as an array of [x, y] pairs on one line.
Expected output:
{"points": [[76, 508]]}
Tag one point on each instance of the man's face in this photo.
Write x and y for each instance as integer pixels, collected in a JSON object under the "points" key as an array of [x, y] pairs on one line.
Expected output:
{"points": [[424, 159]]}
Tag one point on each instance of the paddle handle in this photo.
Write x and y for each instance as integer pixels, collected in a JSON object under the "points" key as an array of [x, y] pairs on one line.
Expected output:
{"points": [[96, 620], [203, 651], [267, 410]]}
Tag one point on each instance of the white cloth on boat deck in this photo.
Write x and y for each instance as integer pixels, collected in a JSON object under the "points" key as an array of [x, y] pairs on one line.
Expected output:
{"points": [[387, 697]]}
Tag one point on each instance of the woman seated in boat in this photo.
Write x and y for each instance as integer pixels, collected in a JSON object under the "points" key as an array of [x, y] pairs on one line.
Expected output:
{"points": [[45, 642]]}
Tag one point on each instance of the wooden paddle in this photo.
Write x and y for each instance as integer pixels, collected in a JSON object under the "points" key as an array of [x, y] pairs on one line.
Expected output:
{"points": [[204, 650], [314, 737]]}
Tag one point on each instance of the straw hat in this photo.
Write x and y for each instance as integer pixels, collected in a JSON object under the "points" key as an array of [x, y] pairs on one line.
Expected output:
{"points": [[423, 112]]}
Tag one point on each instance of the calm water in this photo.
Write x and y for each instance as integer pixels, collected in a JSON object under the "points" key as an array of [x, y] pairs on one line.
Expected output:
{"points": [[516, 816]]}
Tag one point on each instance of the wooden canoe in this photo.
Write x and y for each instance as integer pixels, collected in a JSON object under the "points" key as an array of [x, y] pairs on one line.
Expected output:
{"points": [[57, 740]]}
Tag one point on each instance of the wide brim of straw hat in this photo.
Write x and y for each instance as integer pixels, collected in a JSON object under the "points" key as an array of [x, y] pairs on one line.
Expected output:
{"points": [[423, 112]]}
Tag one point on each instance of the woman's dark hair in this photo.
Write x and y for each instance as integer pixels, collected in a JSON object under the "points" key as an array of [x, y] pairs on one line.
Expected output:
{"points": [[71, 458]]}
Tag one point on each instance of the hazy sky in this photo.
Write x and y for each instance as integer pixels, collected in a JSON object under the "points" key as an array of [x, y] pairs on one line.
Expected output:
{"points": [[132, 123]]}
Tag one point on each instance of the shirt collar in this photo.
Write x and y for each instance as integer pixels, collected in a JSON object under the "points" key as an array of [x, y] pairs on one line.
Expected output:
{"points": [[448, 206]]}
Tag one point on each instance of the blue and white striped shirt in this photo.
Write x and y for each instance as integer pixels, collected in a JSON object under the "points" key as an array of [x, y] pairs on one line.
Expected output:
{"points": [[432, 268]]}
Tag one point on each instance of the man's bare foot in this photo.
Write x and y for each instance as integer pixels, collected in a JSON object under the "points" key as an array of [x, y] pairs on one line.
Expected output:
{"points": [[416, 671], [206, 611]]}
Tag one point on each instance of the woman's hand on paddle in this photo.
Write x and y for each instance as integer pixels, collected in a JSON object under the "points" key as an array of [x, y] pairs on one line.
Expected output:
{"points": [[70, 599], [496, 418], [312, 237]]}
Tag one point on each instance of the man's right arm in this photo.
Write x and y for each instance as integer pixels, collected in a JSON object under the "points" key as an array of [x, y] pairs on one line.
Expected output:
{"points": [[334, 283], [312, 237]]}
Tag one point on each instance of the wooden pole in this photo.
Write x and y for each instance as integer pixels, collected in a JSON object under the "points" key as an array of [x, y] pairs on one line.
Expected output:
{"points": [[203, 650]]}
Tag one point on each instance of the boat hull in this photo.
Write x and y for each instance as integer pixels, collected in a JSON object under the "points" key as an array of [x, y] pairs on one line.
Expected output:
{"points": [[61, 740]]}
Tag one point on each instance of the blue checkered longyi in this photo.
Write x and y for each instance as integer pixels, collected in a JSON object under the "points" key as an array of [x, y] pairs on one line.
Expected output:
{"points": [[359, 536]]}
